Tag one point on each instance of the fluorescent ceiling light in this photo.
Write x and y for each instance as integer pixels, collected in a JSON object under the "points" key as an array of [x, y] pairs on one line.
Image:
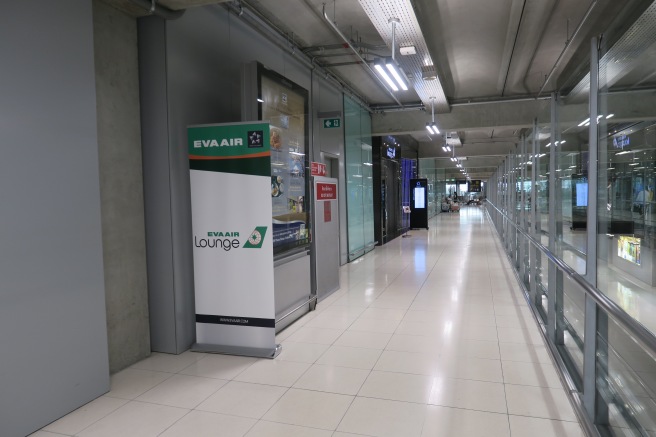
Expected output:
{"points": [[379, 68], [296, 153], [260, 100], [624, 152], [367, 163], [444, 149], [610, 116], [429, 128], [392, 68], [587, 120], [448, 148], [634, 163]]}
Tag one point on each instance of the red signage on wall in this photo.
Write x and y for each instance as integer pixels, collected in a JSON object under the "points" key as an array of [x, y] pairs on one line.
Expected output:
{"points": [[318, 169], [326, 191]]}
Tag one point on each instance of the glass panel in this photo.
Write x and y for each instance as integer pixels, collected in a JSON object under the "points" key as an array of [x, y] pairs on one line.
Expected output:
{"points": [[285, 106], [626, 382], [571, 145], [367, 180], [354, 178], [626, 265], [542, 221], [571, 328]]}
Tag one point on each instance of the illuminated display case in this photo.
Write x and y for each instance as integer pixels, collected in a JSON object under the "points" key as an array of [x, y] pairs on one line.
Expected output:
{"points": [[628, 248], [284, 105]]}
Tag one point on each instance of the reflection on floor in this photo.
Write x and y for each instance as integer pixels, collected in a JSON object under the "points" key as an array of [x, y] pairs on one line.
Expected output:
{"points": [[428, 336]]}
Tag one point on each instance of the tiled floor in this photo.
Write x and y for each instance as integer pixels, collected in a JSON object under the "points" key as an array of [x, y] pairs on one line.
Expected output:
{"points": [[428, 336]]}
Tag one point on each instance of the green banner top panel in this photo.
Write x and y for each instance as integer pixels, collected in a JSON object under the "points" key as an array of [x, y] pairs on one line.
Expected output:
{"points": [[231, 148]]}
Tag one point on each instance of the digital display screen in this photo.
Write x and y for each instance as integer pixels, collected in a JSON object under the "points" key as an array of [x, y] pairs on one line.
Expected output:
{"points": [[475, 186], [628, 248], [582, 194], [420, 198]]}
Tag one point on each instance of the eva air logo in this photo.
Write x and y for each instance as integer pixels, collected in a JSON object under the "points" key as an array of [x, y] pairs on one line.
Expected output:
{"points": [[256, 239]]}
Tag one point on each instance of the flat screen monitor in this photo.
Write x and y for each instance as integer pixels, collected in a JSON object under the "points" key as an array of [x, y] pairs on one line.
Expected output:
{"points": [[420, 198], [582, 194]]}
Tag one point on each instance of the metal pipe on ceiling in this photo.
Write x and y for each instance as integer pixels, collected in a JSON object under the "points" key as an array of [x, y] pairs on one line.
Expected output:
{"points": [[364, 62], [567, 46], [512, 51], [154, 9], [269, 30], [508, 100]]}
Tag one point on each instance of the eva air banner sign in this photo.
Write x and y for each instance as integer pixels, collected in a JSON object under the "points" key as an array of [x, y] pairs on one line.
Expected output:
{"points": [[230, 178]]}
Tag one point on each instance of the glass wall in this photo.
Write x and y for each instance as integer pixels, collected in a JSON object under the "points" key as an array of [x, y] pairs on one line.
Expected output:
{"points": [[574, 207], [359, 179], [429, 169]]}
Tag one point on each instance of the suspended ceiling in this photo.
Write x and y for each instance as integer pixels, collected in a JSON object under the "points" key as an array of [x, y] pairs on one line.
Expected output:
{"points": [[491, 59]]}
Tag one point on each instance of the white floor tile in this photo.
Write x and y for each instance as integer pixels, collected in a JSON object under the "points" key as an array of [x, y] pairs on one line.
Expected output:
{"points": [[468, 394], [135, 419], [524, 352], [534, 427], [86, 415], [386, 326], [309, 408], [272, 429], [243, 399], [537, 374], [182, 391], [331, 321], [478, 369], [331, 379], [219, 366], [355, 357], [397, 387], [204, 424], [168, 362], [273, 372], [470, 349], [512, 335], [315, 335], [383, 313], [445, 421], [407, 362], [301, 352], [547, 403], [410, 345], [369, 340], [383, 418], [130, 383]]}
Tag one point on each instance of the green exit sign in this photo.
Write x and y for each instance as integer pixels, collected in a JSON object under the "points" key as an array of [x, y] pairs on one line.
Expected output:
{"points": [[329, 123]]}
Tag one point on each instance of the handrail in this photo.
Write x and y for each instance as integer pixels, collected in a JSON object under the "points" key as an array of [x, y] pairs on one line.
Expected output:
{"points": [[618, 314], [563, 373]]}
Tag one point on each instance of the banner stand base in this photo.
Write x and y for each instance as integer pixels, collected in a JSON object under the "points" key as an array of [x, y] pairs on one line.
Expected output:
{"points": [[256, 352]]}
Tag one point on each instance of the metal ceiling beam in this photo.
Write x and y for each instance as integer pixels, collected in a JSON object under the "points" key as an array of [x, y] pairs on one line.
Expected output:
{"points": [[567, 46], [357, 54]]}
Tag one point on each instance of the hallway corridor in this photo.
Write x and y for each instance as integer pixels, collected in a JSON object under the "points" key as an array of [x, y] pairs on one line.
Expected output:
{"points": [[428, 336]]}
